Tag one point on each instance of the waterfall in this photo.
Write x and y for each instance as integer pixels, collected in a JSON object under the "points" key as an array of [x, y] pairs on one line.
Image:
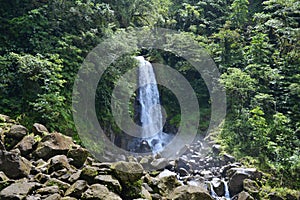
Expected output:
{"points": [[148, 98], [227, 195], [152, 138]]}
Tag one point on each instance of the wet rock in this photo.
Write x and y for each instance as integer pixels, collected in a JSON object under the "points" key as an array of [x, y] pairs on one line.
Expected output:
{"points": [[26, 145], [235, 183], [109, 182], [228, 158], [13, 165], [225, 168], [218, 186], [79, 156], [99, 192], [216, 149], [127, 171], [183, 172], [253, 173], [53, 144], [182, 163], [77, 189], [39, 129], [207, 174], [189, 192], [17, 190]]}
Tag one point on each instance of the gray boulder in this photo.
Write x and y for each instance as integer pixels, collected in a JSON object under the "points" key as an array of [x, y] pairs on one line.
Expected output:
{"points": [[189, 192], [99, 192], [17, 190], [109, 182], [78, 155], [39, 129], [26, 145], [127, 171], [77, 189], [53, 144], [13, 165]]}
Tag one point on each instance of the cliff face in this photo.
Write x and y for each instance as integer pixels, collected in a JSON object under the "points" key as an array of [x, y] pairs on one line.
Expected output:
{"points": [[36, 164]]}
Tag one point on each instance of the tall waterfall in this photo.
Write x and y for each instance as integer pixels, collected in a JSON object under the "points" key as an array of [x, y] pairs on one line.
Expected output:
{"points": [[152, 138], [148, 98]]}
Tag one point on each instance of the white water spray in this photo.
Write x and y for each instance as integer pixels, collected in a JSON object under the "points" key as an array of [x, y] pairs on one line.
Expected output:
{"points": [[150, 110]]}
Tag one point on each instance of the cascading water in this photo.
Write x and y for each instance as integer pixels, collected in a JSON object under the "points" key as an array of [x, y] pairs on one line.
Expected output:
{"points": [[150, 114]]}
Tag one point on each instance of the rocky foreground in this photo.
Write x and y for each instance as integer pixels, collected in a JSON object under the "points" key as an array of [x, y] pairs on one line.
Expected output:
{"points": [[37, 165]]}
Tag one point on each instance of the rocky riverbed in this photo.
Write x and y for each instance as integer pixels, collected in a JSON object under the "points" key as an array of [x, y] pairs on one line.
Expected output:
{"points": [[38, 165]]}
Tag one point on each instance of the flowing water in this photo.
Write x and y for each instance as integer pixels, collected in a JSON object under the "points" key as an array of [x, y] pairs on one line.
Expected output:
{"points": [[149, 112]]}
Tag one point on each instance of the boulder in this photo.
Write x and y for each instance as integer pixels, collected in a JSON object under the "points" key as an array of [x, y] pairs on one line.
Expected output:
{"points": [[89, 173], [159, 163], [14, 135], [4, 118], [99, 192], [127, 171], [228, 158], [235, 183], [237, 177], [189, 192], [39, 129], [26, 145], [167, 183], [53, 144], [218, 186], [77, 189], [78, 155], [57, 163], [13, 165], [17, 132], [253, 173], [216, 149], [17, 190], [111, 183]]}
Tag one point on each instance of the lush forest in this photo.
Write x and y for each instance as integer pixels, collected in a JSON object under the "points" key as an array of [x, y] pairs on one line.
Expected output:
{"points": [[255, 45]]}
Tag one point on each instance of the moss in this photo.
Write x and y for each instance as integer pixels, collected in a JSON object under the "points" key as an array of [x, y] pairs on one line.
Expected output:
{"points": [[132, 190], [281, 191]]}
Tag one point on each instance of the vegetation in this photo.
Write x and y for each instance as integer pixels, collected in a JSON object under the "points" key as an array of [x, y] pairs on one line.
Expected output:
{"points": [[255, 45]]}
